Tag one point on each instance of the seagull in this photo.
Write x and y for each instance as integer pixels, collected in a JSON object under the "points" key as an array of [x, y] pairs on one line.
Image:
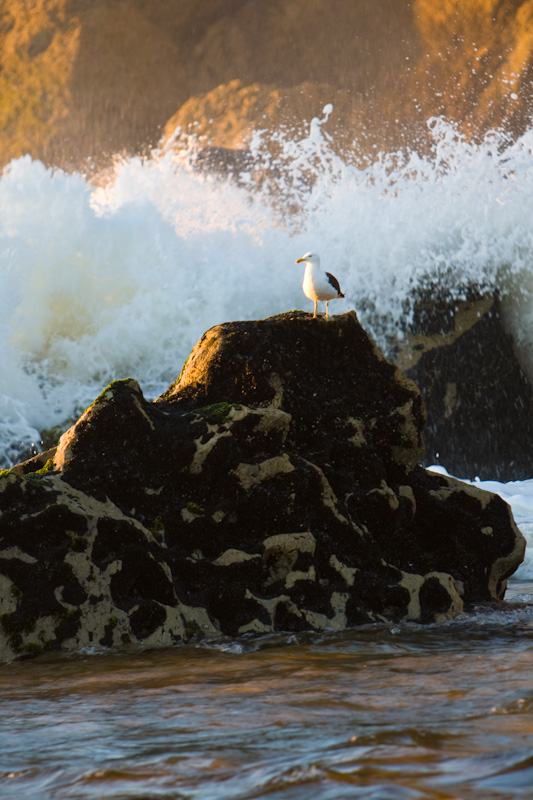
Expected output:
{"points": [[319, 285]]}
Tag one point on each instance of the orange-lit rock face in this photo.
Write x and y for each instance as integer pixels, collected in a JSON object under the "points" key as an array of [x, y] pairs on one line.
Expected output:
{"points": [[230, 114], [476, 67], [86, 80], [129, 67], [38, 48]]}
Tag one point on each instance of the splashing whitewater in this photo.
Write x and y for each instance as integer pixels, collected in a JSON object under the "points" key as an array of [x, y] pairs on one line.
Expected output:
{"points": [[117, 280]]}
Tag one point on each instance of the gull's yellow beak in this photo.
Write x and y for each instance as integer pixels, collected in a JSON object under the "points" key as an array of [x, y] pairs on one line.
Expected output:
{"points": [[299, 260]]}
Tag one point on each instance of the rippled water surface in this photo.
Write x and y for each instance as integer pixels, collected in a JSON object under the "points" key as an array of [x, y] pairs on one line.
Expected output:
{"points": [[387, 712]]}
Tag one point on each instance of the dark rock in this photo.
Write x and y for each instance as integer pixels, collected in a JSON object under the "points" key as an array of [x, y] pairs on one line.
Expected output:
{"points": [[478, 399], [274, 486], [225, 162]]}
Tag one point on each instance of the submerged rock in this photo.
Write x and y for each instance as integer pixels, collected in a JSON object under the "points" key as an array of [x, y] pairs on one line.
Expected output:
{"points": [[274, 486]]}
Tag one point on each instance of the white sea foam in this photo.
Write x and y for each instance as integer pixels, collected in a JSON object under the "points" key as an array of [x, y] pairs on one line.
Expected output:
{"points": [[104, 282]]}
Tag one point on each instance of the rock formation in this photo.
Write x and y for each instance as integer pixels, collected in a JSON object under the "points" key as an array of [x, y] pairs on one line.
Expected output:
{"points": [[478, 399], [274, 486]]}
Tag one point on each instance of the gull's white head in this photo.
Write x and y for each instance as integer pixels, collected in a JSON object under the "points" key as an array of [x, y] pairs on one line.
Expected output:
{"points": [[309, 258]]}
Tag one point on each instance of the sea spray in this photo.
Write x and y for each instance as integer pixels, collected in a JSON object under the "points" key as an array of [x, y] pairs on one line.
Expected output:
{"points": [[121, 278]]}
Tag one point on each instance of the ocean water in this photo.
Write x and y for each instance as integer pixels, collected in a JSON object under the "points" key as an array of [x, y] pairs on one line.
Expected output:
{"points": [[384, 712]]}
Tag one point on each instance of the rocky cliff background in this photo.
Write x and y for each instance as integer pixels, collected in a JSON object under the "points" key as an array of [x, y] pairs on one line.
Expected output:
{"points": [[82, 81]]}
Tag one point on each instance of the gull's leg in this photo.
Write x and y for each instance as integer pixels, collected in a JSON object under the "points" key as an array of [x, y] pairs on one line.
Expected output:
{"points": [[327, 308], [314, 315]]}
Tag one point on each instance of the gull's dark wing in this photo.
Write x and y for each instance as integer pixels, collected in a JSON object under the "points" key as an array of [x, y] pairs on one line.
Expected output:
{"points": [[334, 282]]}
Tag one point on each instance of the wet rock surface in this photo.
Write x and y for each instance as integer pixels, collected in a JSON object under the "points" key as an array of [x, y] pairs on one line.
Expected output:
{"points": [[274, 486], [479, 400]]}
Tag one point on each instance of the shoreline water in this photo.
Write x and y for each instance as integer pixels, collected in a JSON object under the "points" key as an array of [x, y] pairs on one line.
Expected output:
{"points": [[390, 711]]}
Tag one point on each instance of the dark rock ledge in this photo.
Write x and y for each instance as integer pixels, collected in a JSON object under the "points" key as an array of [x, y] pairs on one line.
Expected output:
{"points": [[274, 486]]}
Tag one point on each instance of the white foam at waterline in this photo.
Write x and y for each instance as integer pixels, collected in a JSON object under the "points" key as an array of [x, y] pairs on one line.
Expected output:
{"points": [[103, 283], [519, 495]]}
